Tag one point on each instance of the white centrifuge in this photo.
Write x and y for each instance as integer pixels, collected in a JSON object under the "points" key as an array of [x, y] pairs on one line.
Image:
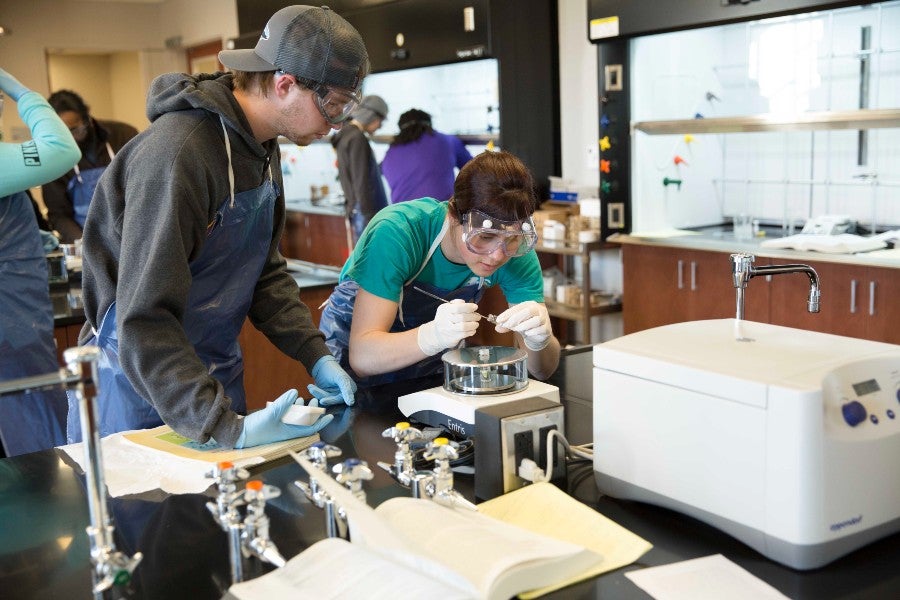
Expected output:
{"points": [[789, 440]]}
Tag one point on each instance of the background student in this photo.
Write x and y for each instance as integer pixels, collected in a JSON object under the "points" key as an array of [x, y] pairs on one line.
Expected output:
{"points": [[37, 420]]}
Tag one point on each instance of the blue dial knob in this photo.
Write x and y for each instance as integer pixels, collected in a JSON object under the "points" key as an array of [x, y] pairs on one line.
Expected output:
{"points": [[854, 413]]}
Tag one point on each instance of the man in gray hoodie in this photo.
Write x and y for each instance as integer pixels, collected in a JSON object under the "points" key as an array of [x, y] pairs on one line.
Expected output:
{"points": [[182, 240]]}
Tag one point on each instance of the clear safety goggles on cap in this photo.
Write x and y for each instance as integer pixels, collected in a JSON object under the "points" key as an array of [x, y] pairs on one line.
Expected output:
{"points": [[336, 105], [484, 234]]}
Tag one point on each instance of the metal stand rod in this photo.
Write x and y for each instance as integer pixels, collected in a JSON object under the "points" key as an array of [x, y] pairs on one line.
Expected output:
{"points": [[110, 566]]}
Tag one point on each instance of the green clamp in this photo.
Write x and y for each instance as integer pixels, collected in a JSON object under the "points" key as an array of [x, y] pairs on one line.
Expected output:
{"points": [[667, 182]]}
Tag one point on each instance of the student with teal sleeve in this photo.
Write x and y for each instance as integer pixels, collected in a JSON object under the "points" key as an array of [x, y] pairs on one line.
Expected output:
{"points": [[382, 329], [34, 421]]}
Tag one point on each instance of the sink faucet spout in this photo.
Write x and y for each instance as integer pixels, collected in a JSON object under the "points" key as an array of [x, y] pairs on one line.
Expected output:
{"points": [[742, 271]]}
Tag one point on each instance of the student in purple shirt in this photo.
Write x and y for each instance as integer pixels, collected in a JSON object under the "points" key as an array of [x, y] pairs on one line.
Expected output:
{"points": [[420, 162]]}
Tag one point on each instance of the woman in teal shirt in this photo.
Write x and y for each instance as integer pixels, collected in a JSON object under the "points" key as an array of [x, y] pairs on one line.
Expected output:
{"points": [[38, 420], [382, 329]]}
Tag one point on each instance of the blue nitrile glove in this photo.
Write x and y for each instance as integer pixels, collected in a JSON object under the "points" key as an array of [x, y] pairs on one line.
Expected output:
{"points": [[333, 385], [50, 241], [265, 426], [11, 86]]}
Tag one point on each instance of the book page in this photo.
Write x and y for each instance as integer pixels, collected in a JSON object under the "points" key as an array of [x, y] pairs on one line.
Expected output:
{"points": [[336, 569], [545, 509], [368, 529], [500, 560], [497, 559], [165, 439]]}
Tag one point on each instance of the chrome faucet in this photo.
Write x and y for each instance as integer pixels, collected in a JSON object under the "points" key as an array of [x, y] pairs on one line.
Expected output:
{"points": [[248, 535], [403, 469], [742, 271], [318, 454]]}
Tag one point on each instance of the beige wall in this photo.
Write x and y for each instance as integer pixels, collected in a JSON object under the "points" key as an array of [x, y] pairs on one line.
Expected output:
{"points": [[128, 95], [130, 34], [88, 75]]}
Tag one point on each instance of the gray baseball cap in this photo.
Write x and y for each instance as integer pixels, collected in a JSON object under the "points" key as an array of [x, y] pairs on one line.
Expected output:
{"points": [[310, 42], [371, 108]]}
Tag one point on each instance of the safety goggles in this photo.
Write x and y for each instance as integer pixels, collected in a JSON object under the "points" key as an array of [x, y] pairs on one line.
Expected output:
{"points": [[484, 234], [334, 104]]}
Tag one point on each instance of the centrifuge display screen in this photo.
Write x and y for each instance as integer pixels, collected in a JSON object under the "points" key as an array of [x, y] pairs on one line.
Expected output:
{"points": [[866, 387]]}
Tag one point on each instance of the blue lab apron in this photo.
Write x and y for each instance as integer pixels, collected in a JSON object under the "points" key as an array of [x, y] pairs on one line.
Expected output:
{"points": [[36, 420], [81, 188], [415, 309], [223, 278]]}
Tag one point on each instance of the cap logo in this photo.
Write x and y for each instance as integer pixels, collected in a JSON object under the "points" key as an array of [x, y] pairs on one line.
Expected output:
{"points": [[265, 33]]}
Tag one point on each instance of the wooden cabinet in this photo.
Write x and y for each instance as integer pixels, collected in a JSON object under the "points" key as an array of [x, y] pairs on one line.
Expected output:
{"points": [[663, 285], [322, 239], [268, 372], [881, 292], [66, 336], [578, 313], [856, 301]]}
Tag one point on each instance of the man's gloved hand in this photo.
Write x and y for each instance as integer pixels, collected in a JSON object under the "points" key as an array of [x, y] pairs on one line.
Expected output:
{"points": [[531, 319], [453, 321], [265, 426], [333, 384], [49, 241], [11, 86]]}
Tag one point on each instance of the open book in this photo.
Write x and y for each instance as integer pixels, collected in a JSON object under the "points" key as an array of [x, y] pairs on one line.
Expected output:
{"points": [[414, 548], [165, 439]]}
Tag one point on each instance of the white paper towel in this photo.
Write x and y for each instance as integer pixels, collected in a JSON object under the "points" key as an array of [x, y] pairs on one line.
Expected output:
{"points": [[707, 578], [130, 468]]}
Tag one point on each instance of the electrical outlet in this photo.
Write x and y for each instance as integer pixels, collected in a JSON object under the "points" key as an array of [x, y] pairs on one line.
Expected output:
{"points": [[504, 436], [523, 445]]}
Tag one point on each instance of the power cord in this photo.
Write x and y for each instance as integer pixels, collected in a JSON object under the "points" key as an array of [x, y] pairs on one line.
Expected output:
{"points": [[531, 471]]}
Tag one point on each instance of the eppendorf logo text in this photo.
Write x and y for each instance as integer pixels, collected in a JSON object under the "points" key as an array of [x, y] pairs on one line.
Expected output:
{"points": [[848, 523]]}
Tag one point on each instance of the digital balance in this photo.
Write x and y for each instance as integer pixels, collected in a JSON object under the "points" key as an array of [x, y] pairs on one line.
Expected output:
{"points": [[474, 378]]}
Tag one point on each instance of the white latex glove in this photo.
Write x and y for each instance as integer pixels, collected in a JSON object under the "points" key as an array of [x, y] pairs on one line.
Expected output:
{"points": [[531, 319], [453, 321]]}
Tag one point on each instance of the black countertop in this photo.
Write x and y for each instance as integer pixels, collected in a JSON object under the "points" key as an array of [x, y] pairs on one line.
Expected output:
{"points": [[68, 308], [44, 551]]}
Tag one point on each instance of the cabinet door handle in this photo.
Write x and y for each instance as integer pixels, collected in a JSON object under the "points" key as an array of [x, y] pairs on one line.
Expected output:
{"points": [[853, 284], [693, 276], [680, 274], [872, 298]]}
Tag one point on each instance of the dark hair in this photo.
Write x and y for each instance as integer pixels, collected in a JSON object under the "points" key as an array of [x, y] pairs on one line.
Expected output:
{"points": [[496, 183], [246, 80], [414, 123], [67, 100]]}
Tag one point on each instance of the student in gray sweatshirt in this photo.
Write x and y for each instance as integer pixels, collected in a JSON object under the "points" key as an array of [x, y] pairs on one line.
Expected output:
{"points": [[181, 243]]}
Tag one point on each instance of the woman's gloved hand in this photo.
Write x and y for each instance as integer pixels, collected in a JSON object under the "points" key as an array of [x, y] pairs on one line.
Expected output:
{"points": [[531, 319], [453, 322], [333, 384], [265, 426], [11, 86]]}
